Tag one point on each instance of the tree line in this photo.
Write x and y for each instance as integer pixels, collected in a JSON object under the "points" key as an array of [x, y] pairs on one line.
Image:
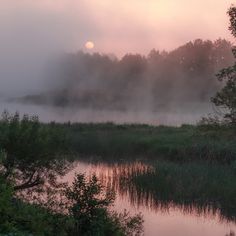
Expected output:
{"points": [[135, 81]]}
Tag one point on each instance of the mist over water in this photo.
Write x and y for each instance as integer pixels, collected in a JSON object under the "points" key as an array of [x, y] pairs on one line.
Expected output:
{"points": [[163, 88], [126, 62], [173, 117], [160, 218], [139, 85]]}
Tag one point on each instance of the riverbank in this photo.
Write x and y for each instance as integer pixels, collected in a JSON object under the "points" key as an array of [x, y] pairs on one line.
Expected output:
{"points": [[40, 152], [210, 143]]}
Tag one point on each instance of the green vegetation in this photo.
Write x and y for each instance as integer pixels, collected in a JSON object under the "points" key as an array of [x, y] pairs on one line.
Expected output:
{"points": [[31, 152], [212, 140], [84, 213], [33, 155], [225, 99], [34, 148], [32, 202], [19, 218], [203, 142], [88, 206], [207, 188]]}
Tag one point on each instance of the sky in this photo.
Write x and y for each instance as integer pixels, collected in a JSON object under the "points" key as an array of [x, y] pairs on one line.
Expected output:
{"points": [[33, 30]]}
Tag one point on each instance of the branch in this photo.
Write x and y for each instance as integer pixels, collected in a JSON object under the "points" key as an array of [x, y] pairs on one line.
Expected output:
{"points": [[29, 183]]}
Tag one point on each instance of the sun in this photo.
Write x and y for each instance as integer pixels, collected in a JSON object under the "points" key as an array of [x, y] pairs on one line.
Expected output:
{"points": [[89, 45]]}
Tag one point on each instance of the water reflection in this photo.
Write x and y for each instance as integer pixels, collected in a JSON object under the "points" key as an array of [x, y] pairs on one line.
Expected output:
{"points": [[155, 207], [231, 233]]}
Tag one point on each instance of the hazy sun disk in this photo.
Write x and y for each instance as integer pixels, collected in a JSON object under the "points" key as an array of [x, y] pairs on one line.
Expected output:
{"points": [[89, 45]]}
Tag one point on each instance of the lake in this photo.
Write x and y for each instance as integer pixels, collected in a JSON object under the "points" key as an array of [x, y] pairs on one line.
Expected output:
{"points": [[172, 114], [161, 218]]}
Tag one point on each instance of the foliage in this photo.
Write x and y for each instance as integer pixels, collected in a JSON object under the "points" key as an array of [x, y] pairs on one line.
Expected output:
{"points": [[20, 219], [225, 99], [30, 151], [204, 186], [131, 141], [88, 214], [126, 224], [5, 206], [88, 207], [89, 204], [210, 122], [30, 161]]}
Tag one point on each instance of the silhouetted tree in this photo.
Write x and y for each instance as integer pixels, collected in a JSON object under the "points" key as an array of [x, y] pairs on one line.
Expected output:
{"points": [[89, 204], [102, 82], [226, 97], [30, 151]]}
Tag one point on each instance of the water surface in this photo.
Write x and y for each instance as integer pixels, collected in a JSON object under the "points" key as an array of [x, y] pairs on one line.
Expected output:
{"points": [[160, 218], [172, 114]]}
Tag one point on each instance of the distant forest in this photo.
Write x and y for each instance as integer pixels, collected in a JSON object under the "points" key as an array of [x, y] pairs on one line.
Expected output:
{"points": [[186, 74]]}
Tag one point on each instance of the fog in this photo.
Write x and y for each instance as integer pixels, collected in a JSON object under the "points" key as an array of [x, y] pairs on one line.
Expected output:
{"points": [[169, 88], [34, 32], [156, 82], [175, 116], [44, 64], [32, 35]]}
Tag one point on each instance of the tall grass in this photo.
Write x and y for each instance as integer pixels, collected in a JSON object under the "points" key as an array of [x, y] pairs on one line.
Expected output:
{"points": [[173, 143], [200, 185]]}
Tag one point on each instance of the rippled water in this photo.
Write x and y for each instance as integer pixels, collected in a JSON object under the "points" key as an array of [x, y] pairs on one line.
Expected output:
{"points": [[161, 218]]}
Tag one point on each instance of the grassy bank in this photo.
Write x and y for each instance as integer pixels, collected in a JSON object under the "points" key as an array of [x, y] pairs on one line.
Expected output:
{"points": [[173, 143], [33, 154], [188, 142]]}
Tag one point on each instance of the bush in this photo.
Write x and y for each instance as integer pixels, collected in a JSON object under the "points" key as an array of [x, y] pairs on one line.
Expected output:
{"points": [[89, 206]]}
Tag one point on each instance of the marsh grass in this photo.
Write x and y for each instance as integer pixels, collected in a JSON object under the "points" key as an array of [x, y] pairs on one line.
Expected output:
{"points": [[170, 143], [204, 186]]}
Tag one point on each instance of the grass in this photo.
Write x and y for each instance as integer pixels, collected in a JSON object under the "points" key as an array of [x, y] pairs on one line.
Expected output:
{"points": [[173, 143], [187, 185], [188, 142], [202, 171]]}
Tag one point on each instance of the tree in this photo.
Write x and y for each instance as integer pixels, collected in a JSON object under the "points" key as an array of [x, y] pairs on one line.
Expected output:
{"points": [[30, 151], [89, 203], [225, 99], [89, 206]]}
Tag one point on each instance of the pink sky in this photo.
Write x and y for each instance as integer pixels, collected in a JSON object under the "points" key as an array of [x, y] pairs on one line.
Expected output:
{"points": [[116, 26], [34, 31]]}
